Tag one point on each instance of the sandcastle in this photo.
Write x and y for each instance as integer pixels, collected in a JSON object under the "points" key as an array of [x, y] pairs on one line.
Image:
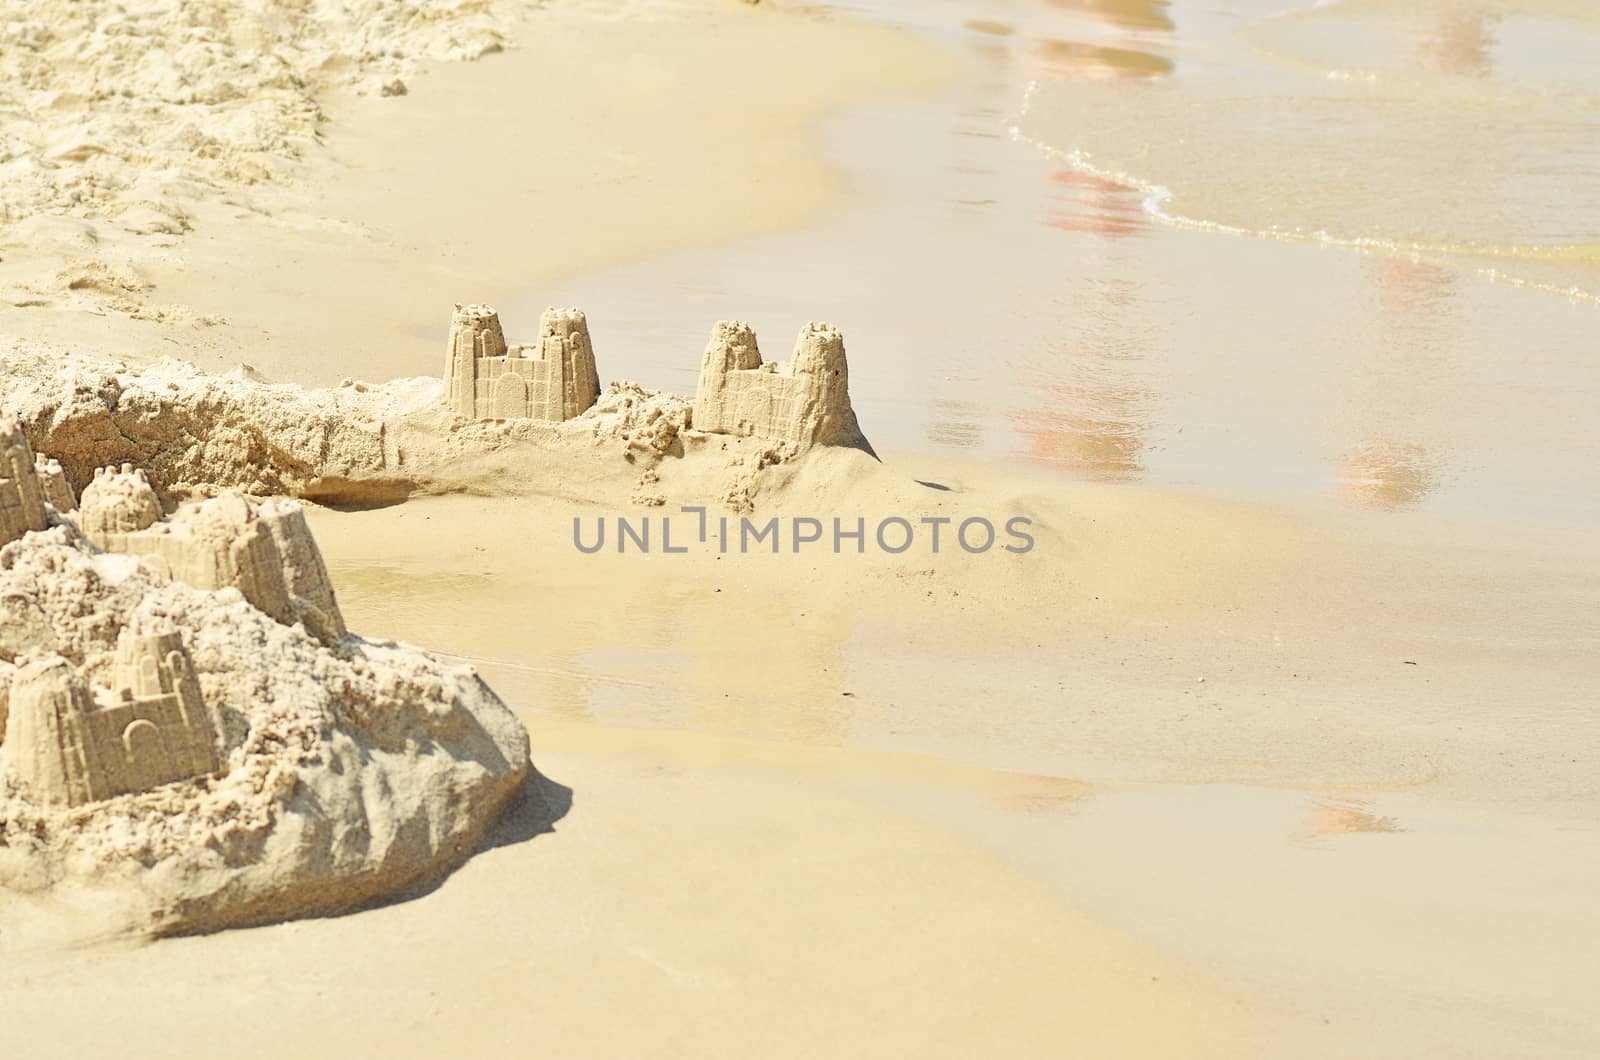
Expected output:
{"points": [[805, 400], [71, 746], [553, 379], [263, 548], [194, 729]]}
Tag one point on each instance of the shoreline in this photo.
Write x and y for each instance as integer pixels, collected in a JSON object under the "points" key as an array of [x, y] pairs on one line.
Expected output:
{"points": [[1006, 305]]}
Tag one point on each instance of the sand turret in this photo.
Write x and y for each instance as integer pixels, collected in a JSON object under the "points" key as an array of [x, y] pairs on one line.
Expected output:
{"points": [[22, 499], [72, 745], [53, 482], [553, 379], [307, 588], [262, 548], [118, 501], [805, 400]]}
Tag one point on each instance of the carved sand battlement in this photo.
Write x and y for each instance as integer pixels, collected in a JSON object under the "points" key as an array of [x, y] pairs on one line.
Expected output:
{"points": [[22, 498], [805, 400], [262, 548], [72, 745], [553, 379], [53, 482]]}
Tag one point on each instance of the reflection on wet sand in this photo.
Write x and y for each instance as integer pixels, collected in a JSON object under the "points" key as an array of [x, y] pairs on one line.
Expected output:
{"points": [[1068, 59], [1462, 43], [1094, 404], [1386, 475], [1124, 14], [1093, 205], [993, 29], [1101, 447], [1384, 469], [1075, 60], [1343, 817], [1090, 407]]}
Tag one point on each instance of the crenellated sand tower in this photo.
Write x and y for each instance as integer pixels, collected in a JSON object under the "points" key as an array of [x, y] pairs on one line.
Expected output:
{"points": [[53, 482], [22, 498], [554, 379], [115, 503], [805, 400], [262, 548]]}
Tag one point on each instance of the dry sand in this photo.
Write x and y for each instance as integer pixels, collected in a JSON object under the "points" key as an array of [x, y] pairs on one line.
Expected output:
{"points": [[813, 805], [485, 178]]}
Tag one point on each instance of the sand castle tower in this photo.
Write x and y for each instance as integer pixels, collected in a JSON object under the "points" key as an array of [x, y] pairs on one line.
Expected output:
{"points": [[116, 503], [22, 499], [554, 379], [307, 587], [805, 400], [72, 746], [262, 548], [220, 543], [53, 482]]}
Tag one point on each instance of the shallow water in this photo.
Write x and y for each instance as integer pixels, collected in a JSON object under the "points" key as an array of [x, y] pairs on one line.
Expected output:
{"points": [[1347, 254]]}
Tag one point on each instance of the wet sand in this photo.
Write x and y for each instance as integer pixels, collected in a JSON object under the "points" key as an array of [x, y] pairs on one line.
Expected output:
{"points": [[695, 899], [1338, 766], [1001, 301]]}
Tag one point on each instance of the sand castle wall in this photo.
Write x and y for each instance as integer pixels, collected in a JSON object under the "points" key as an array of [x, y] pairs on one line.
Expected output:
{"points": [[553, 379], [805, 400]]}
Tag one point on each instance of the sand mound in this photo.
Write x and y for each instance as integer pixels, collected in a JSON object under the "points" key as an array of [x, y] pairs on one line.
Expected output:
{"points": [[205, 763], [351, 774], [196, 433]]}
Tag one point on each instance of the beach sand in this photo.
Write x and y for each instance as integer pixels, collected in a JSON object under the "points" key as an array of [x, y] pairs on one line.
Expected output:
{"points": [[1220, 767]]}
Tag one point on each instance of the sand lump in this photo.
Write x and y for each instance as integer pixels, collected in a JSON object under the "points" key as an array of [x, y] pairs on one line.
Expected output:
{"points": [[209, 763], [193, 433]]}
